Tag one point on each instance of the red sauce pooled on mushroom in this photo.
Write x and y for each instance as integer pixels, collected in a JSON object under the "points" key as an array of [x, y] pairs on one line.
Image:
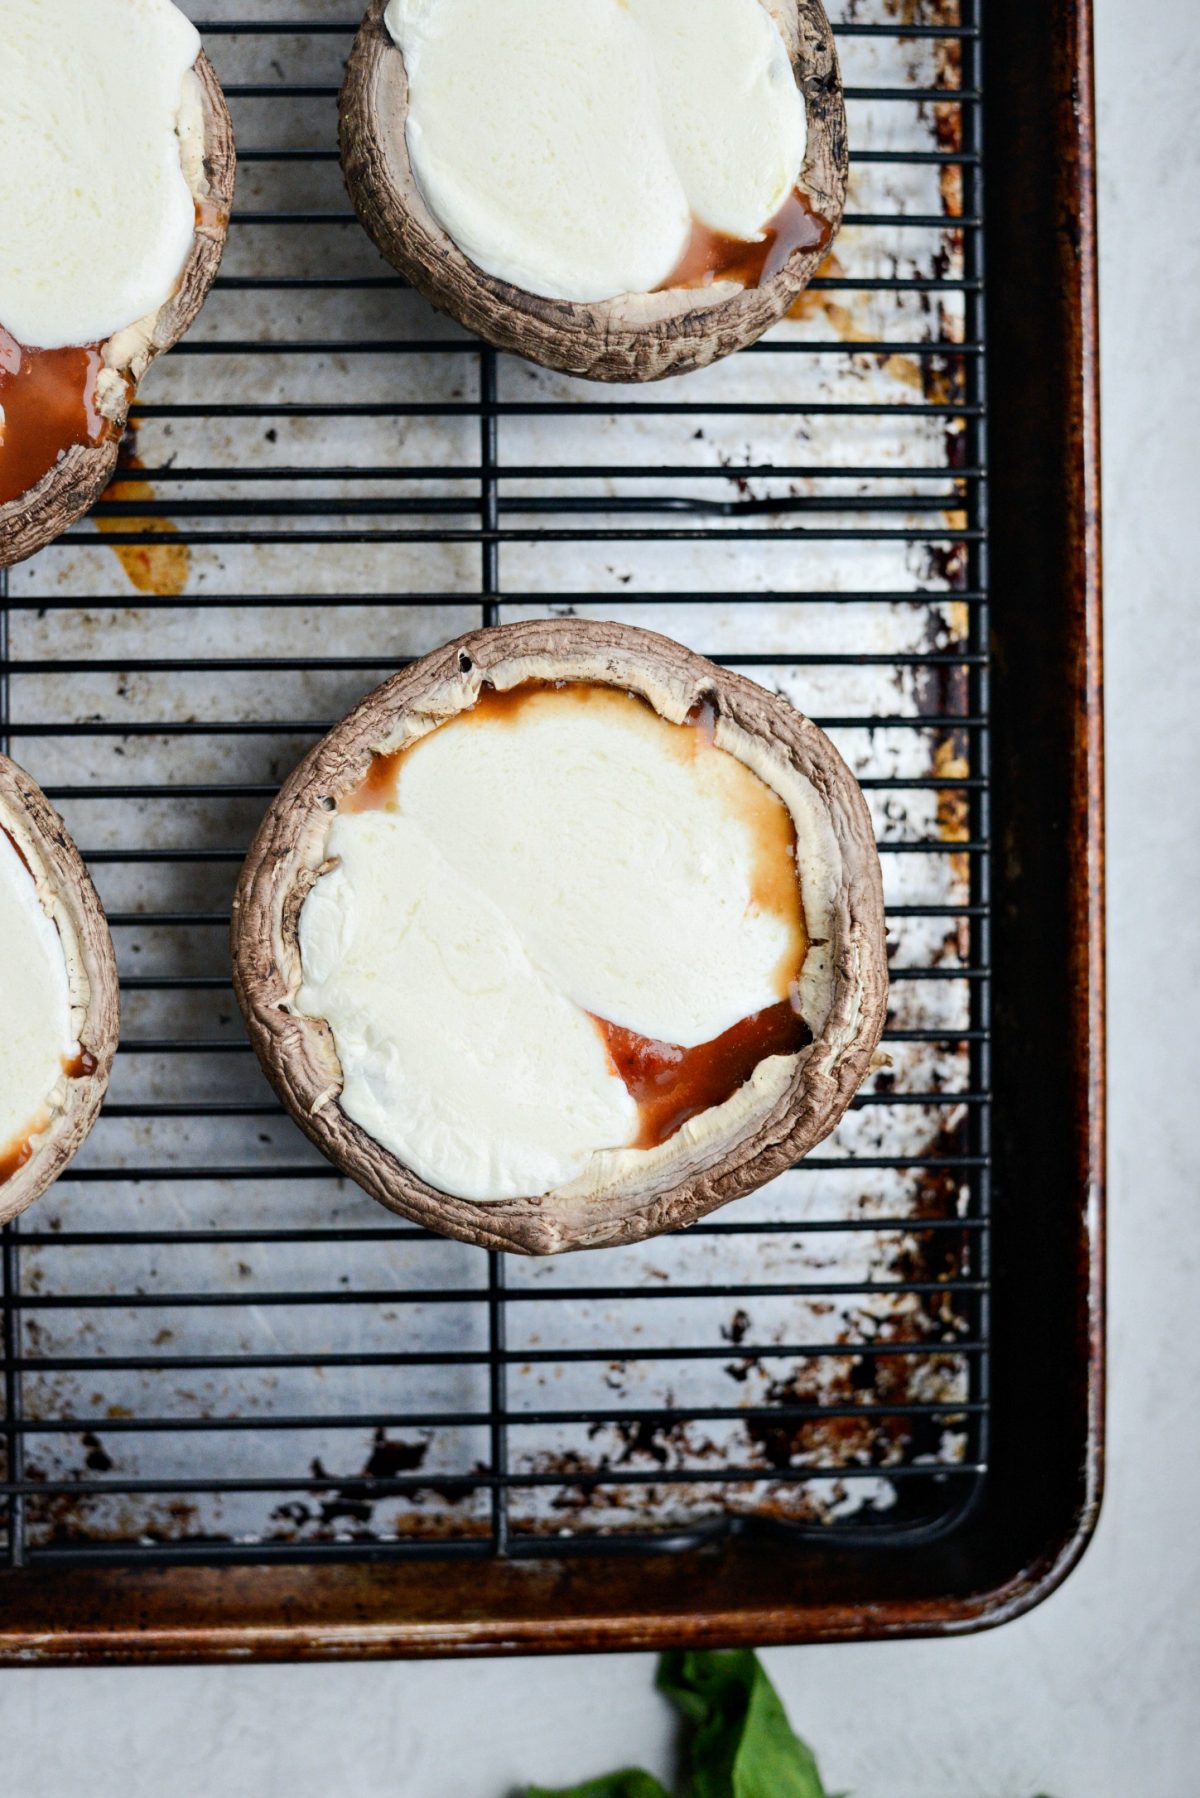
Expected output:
{"points": [[50, 404], [14, 1157], [710, 256], [211, 217], [671, 1084]]}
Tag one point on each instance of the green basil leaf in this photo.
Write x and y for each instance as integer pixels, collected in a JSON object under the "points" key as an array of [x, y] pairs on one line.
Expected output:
{"points": [[772, 1761], [743, 1745], [633, 1783]]}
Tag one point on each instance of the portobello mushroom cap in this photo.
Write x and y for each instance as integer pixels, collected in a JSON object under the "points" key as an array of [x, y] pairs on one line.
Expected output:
{"points": [[79, 477], [757, 1134], [66, 889], [636, 337]]}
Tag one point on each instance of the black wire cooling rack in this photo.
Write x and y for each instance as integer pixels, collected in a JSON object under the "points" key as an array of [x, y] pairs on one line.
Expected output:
{"points": [[215, 1348]]}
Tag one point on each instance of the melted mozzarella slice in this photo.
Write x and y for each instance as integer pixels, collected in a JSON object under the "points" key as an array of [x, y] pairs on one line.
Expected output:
{"points": [[96, 216], [637, 863], [457, 1053], [733, 116]]}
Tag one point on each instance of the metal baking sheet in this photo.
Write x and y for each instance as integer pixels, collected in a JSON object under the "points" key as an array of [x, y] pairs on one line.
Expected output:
{"points": [[219, 1352]]}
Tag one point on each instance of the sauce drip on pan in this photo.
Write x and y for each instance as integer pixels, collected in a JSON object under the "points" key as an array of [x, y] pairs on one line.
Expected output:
{"points": [[671, 1084], [49, 402], [710, 256]]}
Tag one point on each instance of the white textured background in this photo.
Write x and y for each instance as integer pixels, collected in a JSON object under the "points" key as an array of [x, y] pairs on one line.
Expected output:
{"points": [[1097, 1695]]}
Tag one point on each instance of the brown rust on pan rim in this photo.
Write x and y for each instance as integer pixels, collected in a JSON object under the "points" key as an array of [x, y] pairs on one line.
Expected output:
{"points": [[640, 337], [40, 838], [298, 1055], [79, 477]]}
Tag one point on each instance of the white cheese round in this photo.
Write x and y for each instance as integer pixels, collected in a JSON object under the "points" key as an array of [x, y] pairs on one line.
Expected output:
{"points": [[568, 146], [35, 1004], [96, 216]]}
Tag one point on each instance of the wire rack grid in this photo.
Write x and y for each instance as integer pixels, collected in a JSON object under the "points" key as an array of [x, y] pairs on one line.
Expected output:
{"points": [[214, 1348]]}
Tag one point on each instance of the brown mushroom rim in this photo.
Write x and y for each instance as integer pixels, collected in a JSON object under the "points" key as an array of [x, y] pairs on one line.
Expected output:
{"points": [[710, 256], [669, 1083]]}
